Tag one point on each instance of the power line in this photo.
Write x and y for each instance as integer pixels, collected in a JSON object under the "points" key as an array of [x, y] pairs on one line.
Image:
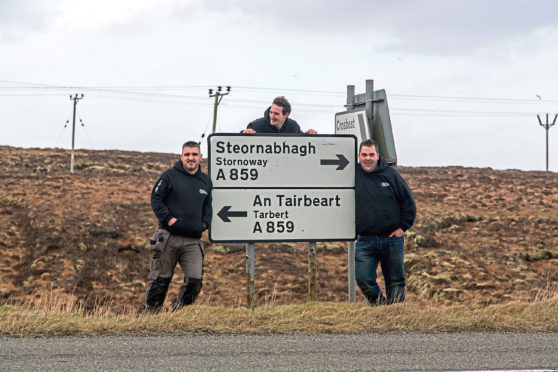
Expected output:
{"points": [[86, 133], [141, 93], [460, 112], [286, 90], [107, 92], [126, 90], [473, 99], [301, 106], [62, 132], [153, 97]]}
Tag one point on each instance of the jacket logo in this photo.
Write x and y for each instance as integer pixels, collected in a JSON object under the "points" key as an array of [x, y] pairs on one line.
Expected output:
{"points": [[157, 187], [384, 184], [202, 191]]}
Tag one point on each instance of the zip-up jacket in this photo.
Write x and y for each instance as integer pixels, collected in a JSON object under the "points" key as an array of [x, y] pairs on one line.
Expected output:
{"points": [[384, 202], [184, 196], [263, 125]]}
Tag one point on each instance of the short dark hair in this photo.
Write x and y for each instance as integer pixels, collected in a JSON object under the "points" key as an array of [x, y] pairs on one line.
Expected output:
{"points": [[282, 101], [191, 144], [368, 143]]}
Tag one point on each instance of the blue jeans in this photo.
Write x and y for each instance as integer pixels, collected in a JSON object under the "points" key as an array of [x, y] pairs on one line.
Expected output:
{"points": [[371, 250]]}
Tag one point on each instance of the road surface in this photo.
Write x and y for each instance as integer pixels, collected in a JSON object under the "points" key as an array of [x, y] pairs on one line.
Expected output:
{"points": [[319, 352]]}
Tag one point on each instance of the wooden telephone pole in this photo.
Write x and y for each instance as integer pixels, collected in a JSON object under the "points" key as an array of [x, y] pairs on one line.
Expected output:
{"points": [[75, 98], [547, 126], [218, 97]]}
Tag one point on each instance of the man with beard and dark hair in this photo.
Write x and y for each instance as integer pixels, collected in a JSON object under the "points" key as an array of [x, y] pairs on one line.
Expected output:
{"points": [[385, 209], [276, 120], [181, 200]]}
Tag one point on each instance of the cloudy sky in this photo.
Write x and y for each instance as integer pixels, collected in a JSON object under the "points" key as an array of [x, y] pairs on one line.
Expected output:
{"points": [[465, 79]]}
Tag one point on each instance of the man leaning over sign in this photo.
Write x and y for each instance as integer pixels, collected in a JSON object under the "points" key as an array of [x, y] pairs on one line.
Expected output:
{"points": [[385, 209], [276, 120]]}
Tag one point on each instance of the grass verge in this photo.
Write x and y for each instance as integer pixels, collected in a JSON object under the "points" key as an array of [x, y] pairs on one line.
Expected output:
{"points": [[316, 317]]}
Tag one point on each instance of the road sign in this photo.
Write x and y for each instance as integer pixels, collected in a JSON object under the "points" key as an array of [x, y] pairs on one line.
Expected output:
{"points": [[246, 161], [352, 122], [282, 187], [243, 215], [374, 122]]}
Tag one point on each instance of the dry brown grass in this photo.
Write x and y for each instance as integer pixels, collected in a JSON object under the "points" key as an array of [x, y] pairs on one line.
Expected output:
{"points": [[54, 316]]}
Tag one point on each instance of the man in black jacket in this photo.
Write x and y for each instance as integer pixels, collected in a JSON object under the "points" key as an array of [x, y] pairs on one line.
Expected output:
{"points": [[385, 209], [276, 120], [181, 200]]}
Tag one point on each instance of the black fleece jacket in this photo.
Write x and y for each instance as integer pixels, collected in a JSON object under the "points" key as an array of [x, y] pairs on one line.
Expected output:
{"points": [[263, 125], [185, 196], [384, 202]]}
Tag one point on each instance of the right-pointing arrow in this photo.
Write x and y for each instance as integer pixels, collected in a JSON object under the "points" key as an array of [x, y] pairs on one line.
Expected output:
{"points": [[341, 162], [224, 213]]}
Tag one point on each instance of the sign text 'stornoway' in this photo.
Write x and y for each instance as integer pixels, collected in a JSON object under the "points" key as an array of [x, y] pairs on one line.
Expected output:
{"points": [[244, 161]]}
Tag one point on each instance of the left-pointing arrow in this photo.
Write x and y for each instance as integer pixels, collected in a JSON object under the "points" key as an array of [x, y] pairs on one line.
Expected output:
{"points": [[225, 213], [341, 162]]}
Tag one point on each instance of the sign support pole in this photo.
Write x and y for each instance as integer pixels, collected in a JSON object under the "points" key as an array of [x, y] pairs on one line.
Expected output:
{"points": [[350, 97], [312, 271], [351, 271], [351, 245], [250, 275], [369, 107]]}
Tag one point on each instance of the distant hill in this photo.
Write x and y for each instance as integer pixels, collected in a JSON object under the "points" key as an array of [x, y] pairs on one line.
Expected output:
{"points": [[482, 236]]}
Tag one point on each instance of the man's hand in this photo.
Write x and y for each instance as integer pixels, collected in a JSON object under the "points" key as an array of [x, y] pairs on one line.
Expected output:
{"points": [[397, 233], [249, 130], [172, 221], [311, 131]]}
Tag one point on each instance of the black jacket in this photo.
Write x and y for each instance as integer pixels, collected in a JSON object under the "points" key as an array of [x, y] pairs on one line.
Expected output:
{"points": [[263, 125], [187, 197], [384, 202]]}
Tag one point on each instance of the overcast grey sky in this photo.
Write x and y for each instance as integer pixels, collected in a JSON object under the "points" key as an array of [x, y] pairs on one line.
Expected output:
{"points": [[463, 78]]}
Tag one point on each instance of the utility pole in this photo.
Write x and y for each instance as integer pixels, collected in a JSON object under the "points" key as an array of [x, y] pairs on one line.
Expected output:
{"points": [[75, 98], [218, 97], [547, 126]]}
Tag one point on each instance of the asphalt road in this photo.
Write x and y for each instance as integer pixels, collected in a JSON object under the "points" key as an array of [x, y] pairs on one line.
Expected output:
{"points": [[363, 352]]}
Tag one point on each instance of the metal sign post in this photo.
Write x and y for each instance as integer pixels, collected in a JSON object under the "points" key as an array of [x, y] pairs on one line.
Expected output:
{"points": [[250, 270], [351, 271], [312, 271]]}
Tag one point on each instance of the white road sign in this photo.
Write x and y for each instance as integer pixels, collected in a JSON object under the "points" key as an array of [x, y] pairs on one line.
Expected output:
{"points": [[246, 161], [352, 122], [246, 215]]}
